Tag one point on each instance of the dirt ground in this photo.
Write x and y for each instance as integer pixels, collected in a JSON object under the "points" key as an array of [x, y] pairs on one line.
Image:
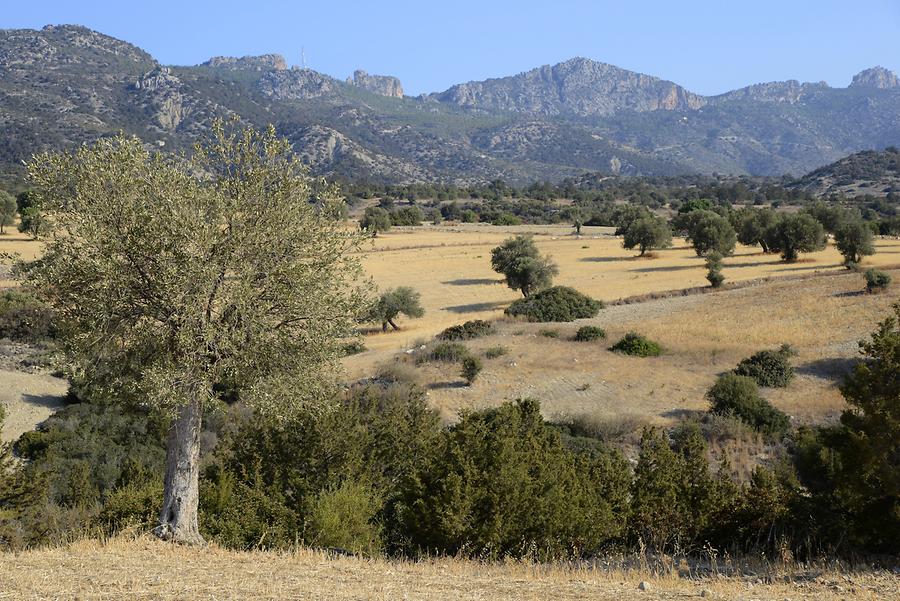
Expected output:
{"points": [[29, 399], [145, 569]]}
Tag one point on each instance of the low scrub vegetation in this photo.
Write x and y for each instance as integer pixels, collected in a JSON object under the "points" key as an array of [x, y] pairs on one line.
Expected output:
{"points": [[769, 368], [448, 352], [24, 318], [637, 345], [475, 328], [590, 334], [559, 303], [738, 396], [877, 281]]}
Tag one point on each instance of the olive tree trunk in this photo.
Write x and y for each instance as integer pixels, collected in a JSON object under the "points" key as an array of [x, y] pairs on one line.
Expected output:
{"points": [[178, 517]]}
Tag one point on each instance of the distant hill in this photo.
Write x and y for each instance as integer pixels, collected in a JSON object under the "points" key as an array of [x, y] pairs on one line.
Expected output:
{"points": [[65, 85], [867, 172]]}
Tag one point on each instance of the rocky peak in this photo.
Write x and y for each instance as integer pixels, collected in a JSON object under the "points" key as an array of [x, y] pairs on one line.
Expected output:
{"points": [[876, 77], [296, 84], [384, 85], [578, 86], [265, 62]]}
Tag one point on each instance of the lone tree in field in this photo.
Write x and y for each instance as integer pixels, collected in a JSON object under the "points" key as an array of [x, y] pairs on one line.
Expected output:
{"points": [[375, 220], [794, 234], [8, 210], [710, 232], [171, 277], [525, 269], [647, 233], [392, 303], [854, 241]]}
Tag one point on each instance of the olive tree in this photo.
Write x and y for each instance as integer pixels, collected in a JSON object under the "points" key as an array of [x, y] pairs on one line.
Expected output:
{"points": [[647, 233], [392, 303], [8, 210], [710, 232], [525, 269], [171, 276], [854, 240], [375, 220], [794, 234], [752, 225]]}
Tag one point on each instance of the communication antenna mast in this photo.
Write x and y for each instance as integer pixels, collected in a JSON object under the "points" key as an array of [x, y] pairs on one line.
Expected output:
{"points": [[303, 56]]}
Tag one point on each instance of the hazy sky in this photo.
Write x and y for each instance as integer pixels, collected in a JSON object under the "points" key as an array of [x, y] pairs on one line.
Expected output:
{"points": [[707, 46]]}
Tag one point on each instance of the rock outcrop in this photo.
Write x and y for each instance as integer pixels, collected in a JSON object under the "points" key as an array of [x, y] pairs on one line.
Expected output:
{"points": [[790, 91], [385, 85], [876, 77], [265, 62], [296, 84], [577, 87]]}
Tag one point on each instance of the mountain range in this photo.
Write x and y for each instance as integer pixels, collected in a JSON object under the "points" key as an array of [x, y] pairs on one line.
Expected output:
{"points": [[64, 85]]}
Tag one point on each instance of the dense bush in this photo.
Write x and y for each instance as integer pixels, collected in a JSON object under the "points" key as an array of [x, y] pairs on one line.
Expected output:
{"points": [[590, 333], [471, 367], [636, 345], [714, 269], [449, 352], [769, 368], [877, 280], [24, 318], [466, 331], [559, 303], [495, 351], [502, 483], [739, 396]]}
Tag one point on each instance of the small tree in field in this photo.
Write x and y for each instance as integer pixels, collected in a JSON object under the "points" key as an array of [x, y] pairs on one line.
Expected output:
{"points": [[647, 233], [753, 225], [392, 303], [375, 220], [854, 240], [170, 277], [471, 367], [794, 234], [714, 269], [8, 210], [710, 232], [519, 260], [33, 222]]}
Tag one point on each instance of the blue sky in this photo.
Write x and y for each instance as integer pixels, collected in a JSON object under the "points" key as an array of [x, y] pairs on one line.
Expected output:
{"points": [[707, 46]]}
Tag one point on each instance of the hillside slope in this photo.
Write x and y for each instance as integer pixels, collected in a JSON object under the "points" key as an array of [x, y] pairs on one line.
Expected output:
{"points": [[868, 172]]}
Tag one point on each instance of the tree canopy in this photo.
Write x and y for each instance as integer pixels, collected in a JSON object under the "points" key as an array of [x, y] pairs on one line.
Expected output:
{"points": [[392, 303], [525, 269]]}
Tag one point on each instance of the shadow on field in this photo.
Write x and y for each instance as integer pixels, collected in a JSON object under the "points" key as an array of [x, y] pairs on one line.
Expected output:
{"points": [[608, 259], [833, 368], [447, 385], [47, 401], [475, 307], [666, 268], [473, 282], [749, 264], [812, 267], [849, 293]]}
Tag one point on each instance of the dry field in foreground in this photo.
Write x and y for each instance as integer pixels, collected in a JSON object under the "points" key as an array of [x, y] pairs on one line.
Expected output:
{"points": [[822, 316], [145, 569]]}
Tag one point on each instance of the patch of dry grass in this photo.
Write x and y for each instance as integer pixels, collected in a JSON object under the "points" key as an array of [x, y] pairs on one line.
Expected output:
{"points": [[143, 569]]}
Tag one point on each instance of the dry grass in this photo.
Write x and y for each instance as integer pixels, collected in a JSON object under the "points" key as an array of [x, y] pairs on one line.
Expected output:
{"points": [[144, 569], [450, 266], [704, 335]]}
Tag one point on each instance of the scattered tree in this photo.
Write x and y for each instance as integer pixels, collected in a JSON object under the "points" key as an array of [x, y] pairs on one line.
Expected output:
{"points": [[375, 220], [714, 269], [392, 303], [519, 260], [168, 284], [647, 233], [8, 210], [752, 227], [471, 367], [709, 231], [33, 222], [877, 280], [854, 241], [795, 234]]}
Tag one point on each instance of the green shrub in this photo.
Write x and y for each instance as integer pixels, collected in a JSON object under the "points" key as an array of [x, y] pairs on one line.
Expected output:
{"points": [[345, 517], [24, 318], [354, 348], [559, 303], [589, 333], [877, 280], [637, 346], [475, 328], [449, 352], [739, 396], [397, 372], [548, 333], [714, 269], [768, 368], [471, 367], [495, 351], [502, 484], [134, 505]]}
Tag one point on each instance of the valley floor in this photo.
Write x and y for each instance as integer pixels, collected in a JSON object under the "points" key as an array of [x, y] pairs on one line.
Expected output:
{"points": [[145, 569]]}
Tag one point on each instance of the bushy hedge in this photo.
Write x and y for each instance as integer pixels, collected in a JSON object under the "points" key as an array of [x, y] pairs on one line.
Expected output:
{"points": [[559, 303], [637, 345], [475, 328], [769, 368], [589, 334], [877, 280], [24, 318], [739, 396]]}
